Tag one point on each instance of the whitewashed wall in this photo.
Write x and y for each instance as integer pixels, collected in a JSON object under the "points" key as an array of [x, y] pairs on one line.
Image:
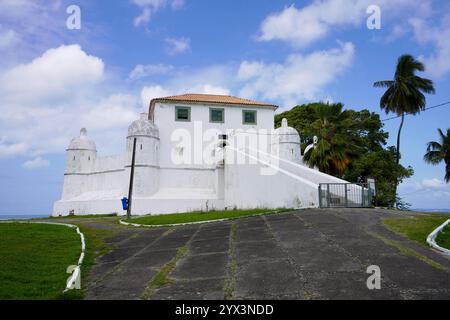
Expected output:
{"points": [[165, 120]]}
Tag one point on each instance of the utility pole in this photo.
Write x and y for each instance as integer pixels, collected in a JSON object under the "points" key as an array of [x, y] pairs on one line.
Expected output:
{"points": [[130, 190]]}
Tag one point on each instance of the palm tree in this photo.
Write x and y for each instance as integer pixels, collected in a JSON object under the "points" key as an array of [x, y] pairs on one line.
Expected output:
{"points": [[336, 147], [438, 152], [405, 94]]}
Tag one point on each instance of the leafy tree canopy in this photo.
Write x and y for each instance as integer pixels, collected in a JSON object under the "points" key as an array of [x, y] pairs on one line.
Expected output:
{"points": [[351, 145]]}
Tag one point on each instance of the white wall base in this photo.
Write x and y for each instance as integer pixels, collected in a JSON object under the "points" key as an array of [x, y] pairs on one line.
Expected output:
{"points": [[140, 206]]}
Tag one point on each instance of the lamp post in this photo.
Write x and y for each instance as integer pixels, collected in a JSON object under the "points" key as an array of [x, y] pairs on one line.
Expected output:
{"points": [[130, 190]]}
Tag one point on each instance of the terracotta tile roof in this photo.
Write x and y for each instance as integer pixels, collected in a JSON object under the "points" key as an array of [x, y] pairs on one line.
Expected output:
{"points": [[213, 98]]}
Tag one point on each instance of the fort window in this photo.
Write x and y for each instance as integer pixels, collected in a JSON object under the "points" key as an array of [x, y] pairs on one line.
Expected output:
{"points": [[249, 117], [183, 114], [216, 115]]}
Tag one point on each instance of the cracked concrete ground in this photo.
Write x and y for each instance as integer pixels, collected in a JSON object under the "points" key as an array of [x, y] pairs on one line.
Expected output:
{"points": [[307, 254]]}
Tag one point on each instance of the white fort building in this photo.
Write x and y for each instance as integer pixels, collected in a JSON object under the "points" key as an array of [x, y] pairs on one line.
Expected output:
{"points": [[194, 152]]}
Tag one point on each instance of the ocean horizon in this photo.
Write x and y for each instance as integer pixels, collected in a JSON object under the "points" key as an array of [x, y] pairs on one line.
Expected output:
{"points": [[432, 210], [4, 217]]}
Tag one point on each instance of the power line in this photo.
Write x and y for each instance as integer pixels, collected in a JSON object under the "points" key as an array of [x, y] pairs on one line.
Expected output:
{"points": [[417, 191], [433, 107]]}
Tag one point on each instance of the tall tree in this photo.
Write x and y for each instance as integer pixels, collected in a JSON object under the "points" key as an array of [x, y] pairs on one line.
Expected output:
{"points": [[440, 151], [338, 140], [405, 93], [353, 138]]}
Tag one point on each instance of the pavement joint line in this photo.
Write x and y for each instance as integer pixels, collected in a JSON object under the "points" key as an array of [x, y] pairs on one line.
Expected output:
{"points": [[407, 251], [207, 253], [122, 263], [230, 277], [149, 291], [290, 260], [336, 245], [404, 246], [387, 281]]}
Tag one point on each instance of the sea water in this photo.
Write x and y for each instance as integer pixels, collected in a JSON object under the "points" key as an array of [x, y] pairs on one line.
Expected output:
{"points": [[22, 217]]}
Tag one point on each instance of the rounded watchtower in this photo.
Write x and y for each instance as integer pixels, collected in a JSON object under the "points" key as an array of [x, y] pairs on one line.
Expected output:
{"points": [[81, 154], [286, 143], [146, 175]]}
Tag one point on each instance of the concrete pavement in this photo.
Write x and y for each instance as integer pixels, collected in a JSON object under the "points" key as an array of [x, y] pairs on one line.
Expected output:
{"points": [[307, 254]]}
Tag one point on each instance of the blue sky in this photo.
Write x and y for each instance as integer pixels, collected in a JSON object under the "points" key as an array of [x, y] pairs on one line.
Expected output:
{"points": [[53, 80]]}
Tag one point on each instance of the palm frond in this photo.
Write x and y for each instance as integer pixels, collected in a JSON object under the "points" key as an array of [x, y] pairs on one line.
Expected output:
{"points": [[434, 146], [433, 157], [384, 84]]}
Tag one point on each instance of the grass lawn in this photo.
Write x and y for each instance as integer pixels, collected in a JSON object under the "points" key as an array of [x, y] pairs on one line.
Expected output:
{"points": [[418, 228], [87, 216], [197, 216], [443, 238], [34, 259]]}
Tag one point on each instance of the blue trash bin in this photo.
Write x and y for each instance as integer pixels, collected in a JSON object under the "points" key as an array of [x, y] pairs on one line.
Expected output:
{"points": [[125, 203]]}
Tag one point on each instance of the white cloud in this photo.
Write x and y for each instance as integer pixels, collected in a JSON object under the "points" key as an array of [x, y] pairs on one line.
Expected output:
{"points": [[142, 71], [215, 79], [301, 27], [157, 91], [36, 163], [426, 193], [11, 149], [149, 7], [151, 92], [33, 26], [8, 38], [438, 62], [299, 78], [44, 103], [208, 89], [433, 183], [57, 72], [178, 45], [177, 4]]}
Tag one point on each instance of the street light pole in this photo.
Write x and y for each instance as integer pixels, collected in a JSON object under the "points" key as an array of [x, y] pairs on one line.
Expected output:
{"points": [[130, 190]]}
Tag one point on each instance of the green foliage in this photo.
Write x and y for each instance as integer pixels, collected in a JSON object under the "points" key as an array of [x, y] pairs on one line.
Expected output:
{"points": [[440, 152], [382, 166], [364, 125], [351, 146], [405, 93]]}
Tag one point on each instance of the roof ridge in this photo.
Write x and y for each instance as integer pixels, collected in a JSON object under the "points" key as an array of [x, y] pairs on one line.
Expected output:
{"points": [[214, 98]]}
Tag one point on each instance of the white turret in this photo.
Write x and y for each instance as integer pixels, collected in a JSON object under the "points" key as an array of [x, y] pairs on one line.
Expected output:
{"points": [[81, 154], [286, 143], [146, 174]]}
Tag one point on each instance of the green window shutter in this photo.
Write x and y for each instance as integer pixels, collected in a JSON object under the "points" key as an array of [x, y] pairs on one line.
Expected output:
{"points": [[182, 114], [216, 115], [249, 117]]}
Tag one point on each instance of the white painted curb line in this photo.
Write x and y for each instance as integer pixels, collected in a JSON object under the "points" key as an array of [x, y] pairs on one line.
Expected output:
{"points": [[197, 222], [431, 239], [76, 272]]}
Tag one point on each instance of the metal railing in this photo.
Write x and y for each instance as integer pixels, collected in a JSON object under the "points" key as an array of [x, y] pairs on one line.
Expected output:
{"points": [[345, 195]]}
